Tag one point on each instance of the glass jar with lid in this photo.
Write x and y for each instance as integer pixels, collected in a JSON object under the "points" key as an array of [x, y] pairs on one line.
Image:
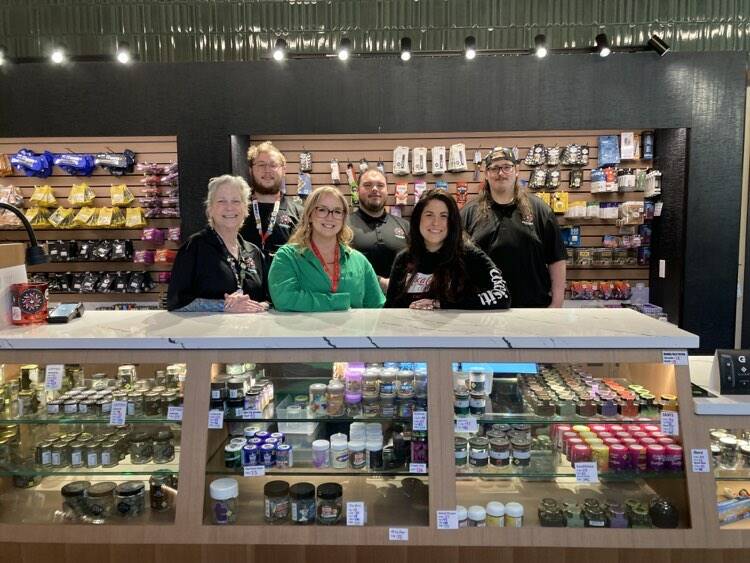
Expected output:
{"points": [[235, 388], [420, 383], [77, 454], [405, 384], [371, 383], [329, 503], [302, 496], [160, 492], [60, 454], [110, 454], [163, 446], [478, 451], [224, 494], [461, 446], [218, 390], [573, 515], [317, 402], [135, 403], [335, 398], [140, 447], [100, 502], [92, 454], [42, 453], [152, 403], [276, 502], [728, 456], [551, 514], [388, 383], [130, 498], [126, 376], [74, 499], [521, 448]]}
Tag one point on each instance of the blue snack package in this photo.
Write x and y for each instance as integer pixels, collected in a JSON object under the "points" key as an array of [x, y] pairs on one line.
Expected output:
{"points": [[609, 150]]}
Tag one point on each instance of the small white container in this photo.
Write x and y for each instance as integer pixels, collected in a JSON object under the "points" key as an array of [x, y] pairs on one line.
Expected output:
{"points": [[224, 493], [462, 516], [513, 515], [477, 517], [495, 514]]}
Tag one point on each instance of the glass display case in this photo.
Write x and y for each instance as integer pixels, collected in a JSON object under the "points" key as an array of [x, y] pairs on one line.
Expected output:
{"points": [[730, 463], [90, 443], [568, 445], [309, 444]]}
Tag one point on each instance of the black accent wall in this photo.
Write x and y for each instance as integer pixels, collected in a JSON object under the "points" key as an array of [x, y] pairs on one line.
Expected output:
{"points": [[204, 103]]}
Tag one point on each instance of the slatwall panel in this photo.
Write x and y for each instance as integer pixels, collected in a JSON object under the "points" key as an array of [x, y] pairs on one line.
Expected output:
{"points": [[374, 147], [162, 150]]}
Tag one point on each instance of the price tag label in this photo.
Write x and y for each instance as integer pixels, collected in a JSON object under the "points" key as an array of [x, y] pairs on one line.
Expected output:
{"points": [[675, 357], [419, 421], [215, 419], [447, 520], [174, 413], [250, 414], [398, 534], [467, 424], [53, 376], [254, 470], [586, 472], [699, 457], [417, 468], [670, 423], [355, 514], [118, 413]]}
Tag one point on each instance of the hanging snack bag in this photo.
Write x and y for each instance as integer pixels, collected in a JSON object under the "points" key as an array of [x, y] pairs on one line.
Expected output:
{"points": [[401, 161], [462, 194], [538, 178], [104, 219], [441, 185], [363, 165], [553, 178], [439, 165], [457, 158], [85, 217], [121, 195], [62, 218], [402, 193], [335, 172], [553, 156], [43, 196], [305, 161], [80, 195], [576, 178], [38, 216], [134, 218], [419, 161], [304, 184], [609, 150], [419, 188], [13, 196], [536, 156], [5, 168]]}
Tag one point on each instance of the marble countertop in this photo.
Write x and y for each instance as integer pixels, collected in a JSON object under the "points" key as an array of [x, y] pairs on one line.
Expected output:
{"points": [[359, 328]]}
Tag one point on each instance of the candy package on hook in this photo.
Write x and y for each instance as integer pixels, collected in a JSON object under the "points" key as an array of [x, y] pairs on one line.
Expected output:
{"points": [[536, 156], [576, 178], [305, 161], [122, 250], [335, 172], [419, 161], [441, 185], [80, 195], [381, 166], [32, 163], [401, 161], [439, 164], [363, 165], [134, 218], [43, 196], [75, 164], [477, 164], [457, 158], [120, 195], [173, 234], [553, 156], [553, 178], [165, 255], [5, 168], [419, 188], [538, 178], [118, 163], [38, 216], [13, 196], [86, 217], [153, 235], [105, 216], [609, 150], [103, 250], [402, 193], [304, 184], [462, 194], [62, 218]]}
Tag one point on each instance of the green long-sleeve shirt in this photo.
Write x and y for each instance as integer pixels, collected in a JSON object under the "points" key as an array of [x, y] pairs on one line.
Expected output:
{"points": [[297, 282]]}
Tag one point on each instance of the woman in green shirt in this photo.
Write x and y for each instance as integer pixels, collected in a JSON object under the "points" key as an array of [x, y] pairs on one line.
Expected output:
{"points": [[317, 270]]}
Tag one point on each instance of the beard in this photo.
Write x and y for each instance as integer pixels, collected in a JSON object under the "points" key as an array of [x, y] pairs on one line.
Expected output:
{"points": [[258, 188], [373, 208]]}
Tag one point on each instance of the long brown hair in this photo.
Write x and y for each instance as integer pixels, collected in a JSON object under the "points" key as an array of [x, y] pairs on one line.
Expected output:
{"points": [[520, 196], [449, 279], [303, 234]]}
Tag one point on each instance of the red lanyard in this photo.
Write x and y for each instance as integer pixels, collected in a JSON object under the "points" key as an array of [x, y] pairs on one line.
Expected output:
{"points": [[271, 220], [336, 274]]}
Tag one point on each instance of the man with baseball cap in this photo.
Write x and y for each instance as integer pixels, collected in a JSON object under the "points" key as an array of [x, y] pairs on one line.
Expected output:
{"points": [[519, 232]]}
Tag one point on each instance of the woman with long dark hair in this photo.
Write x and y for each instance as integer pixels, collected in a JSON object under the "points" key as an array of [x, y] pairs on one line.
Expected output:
{"points": [[440, 269]]}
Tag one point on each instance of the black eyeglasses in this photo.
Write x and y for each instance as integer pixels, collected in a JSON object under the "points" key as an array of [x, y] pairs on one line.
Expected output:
{"points": [[322, 212]]}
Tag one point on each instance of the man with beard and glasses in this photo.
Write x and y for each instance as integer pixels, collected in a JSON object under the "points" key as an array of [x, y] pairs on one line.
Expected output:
{"points": [[377, 234], [272, 217]]}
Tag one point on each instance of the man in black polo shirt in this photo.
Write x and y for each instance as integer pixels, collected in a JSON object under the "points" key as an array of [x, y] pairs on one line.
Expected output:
{"points": [[272, 217], [377, 234]]}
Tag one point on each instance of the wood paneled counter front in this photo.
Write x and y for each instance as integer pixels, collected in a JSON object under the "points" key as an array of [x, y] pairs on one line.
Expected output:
{"points": [[609, 344]]}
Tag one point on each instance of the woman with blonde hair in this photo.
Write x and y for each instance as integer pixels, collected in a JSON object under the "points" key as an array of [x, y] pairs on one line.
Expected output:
{"points": [[318, 270]]}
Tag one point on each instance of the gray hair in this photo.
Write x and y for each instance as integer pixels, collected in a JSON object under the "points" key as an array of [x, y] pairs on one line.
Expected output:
{"points": [[236, 181]]}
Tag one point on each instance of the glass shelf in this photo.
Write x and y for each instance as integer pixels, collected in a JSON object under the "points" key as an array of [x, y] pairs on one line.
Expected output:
{"points": [[531, 418], [303, 467], [527, 473], [271, 414], [125, 468], [56, 419], [732, 474]]}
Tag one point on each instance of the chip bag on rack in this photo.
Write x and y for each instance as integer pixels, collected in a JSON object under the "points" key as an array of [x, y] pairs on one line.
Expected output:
{"points": [[538, 178], [457, 158], [121, 195], [5, 168], [13, 196], [439, 165], [38, 217], [118, 163], [118, 218], [32, 163], [553, 156], [86, 217], [43, 196], [419, 161], [401, 161], [75, 164], [419, 188], [462, 194], [536, 156], [62, 218], [402, 193], [104, 218], [80, 195], [134, 218]]}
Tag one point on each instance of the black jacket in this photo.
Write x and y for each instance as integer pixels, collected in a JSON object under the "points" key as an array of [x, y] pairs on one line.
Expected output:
{"points": [[485, 286], [202, 270]]}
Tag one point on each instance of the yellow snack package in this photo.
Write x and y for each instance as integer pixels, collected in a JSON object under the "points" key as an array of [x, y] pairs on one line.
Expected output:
{"points": [[559, 202], [43, 196], [118, 218], [121, 195], [134, 218], [80, 195], [62, 218], [38, 217], [104, 219], [85, 217]]}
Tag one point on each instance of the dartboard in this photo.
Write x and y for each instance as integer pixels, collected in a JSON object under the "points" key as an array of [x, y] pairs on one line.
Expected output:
{"points": [[31, 300]]}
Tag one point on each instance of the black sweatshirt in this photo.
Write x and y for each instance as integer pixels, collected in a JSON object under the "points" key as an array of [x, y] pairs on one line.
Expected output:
{"points": [[202, 269], [484, 288]]}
